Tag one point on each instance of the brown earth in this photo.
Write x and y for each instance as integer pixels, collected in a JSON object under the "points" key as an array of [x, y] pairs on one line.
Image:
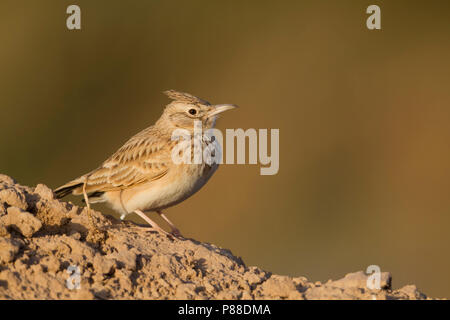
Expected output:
{"points": [[42, 239]]}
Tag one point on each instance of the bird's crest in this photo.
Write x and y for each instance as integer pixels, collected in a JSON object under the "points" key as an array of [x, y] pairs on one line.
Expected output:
{"points": [[185, 97]]}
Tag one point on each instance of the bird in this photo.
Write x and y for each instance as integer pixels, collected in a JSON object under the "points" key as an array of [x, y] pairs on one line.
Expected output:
{"points": [[141, 176]]}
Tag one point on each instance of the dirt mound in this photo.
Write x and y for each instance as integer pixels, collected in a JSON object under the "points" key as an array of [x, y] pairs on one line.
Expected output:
{"points": [[50, 250]]}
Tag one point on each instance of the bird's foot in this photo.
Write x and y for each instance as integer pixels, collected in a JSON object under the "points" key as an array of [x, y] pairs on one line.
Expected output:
{"points": [[153, 224], [176, 233]]}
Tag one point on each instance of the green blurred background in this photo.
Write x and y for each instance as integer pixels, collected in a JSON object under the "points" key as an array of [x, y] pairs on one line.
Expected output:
{"points": [[363, 116]]}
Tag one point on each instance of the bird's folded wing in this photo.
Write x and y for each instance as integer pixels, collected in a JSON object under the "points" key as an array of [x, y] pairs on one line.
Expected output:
{"points": [[138, 161]]}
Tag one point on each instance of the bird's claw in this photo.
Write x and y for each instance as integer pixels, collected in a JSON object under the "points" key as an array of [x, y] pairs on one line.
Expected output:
{"points": [[176, 233]]}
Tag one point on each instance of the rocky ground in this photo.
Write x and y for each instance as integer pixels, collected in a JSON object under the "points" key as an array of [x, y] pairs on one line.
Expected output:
{"points": [[51, 250]]}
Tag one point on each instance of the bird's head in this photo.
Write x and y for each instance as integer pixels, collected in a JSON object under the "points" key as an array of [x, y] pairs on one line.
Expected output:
{"points": [[185, 109]]}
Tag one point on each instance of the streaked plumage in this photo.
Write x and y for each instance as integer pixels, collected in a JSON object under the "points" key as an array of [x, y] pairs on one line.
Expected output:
{"points": [[141, 175]]}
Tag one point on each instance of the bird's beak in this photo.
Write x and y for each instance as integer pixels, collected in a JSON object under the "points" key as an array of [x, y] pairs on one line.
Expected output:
{"points": [[219, 108]]}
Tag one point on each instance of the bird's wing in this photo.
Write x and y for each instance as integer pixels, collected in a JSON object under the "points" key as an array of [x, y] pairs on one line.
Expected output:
{"points": [[142, 159]]}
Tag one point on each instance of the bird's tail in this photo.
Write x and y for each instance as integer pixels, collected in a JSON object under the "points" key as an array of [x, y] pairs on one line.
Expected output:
{"points": [[72, 187], [75, 187]]}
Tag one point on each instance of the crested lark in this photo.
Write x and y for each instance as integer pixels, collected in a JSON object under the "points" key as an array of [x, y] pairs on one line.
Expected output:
{"points": [[142, 176]]}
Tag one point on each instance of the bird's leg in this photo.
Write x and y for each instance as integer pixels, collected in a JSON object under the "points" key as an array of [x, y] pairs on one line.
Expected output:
{"points": [[86, 199], [175, 230], [123, 215], [151, 222]]}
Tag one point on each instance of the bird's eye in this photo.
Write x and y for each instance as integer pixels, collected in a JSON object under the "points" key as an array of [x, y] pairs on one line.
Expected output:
{"points": [[192, 111]]}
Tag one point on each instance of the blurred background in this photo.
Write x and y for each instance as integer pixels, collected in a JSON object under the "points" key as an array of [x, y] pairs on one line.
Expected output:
{"points": [[363, 116]]}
